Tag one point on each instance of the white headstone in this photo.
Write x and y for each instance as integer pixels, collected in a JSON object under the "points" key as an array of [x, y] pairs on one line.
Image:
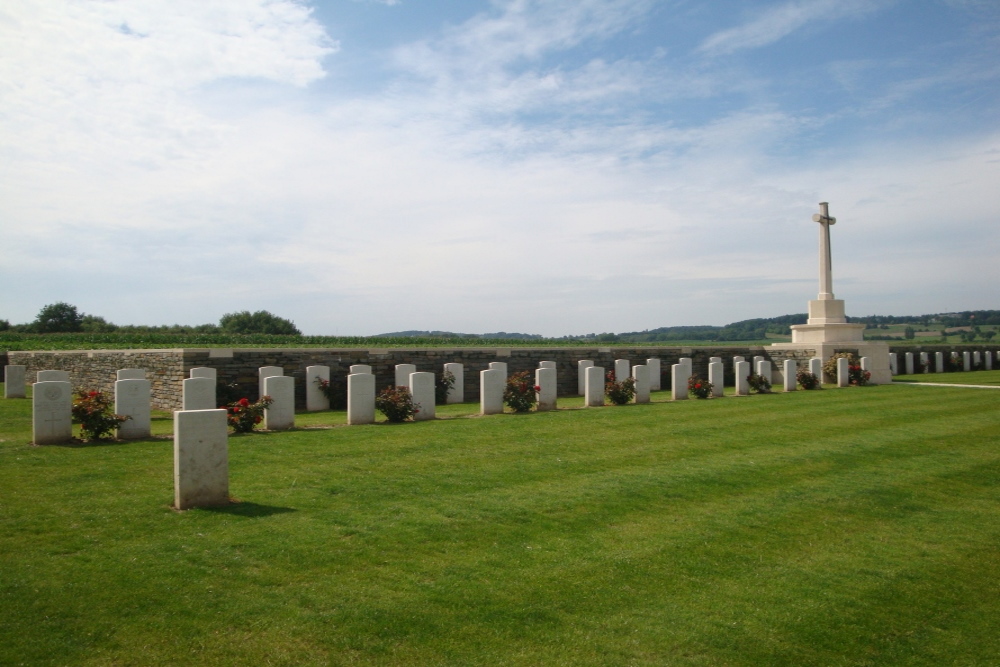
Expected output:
{"points": [[894, 363], [737, 359], [265, 372], [756, 363], [457, 392], [679, 375], [545, 380], [925, 360], [908, 363], [201, 459], [641, 374], [843, 372], [360, 368], [623, 370], [763, 368], [500, 366], [655, 381], [966, 361], [51, 412], [14, 381], [53, 376], [205, 372], [688, 363], [198, 394], [403, 374], [131, 374], [716, 375], [816, 368], [422, 391], [491, 386], [316, 400], [546, 364], [866, 364], [714, 360], [976, 358], [360, 398], [939, 362], [582, 367], [280, 414], [790, 369], [742, 370], [132, 400], [988, 360], [594, 388]]}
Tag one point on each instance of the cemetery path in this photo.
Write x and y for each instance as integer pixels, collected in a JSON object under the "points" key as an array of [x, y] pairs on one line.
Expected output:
{"points": [[943, 384]]}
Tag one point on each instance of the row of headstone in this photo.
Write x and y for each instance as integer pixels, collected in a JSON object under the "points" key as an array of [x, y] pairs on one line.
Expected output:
{"points": [[622, 370], [969, 360]]}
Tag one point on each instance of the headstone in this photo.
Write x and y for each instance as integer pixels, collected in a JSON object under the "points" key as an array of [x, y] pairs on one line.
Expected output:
{"points": [[280, 415], [908, 362], [763, 368], [866, 364], [316, 400], [742, 371], [359, 368], [131, 374], [457, 392], [939, 362], [843, 372], [594, 389], [716, 375], [737, 359], [977, 358], [500, 366], [265, 372], [403, 374], [816, 368], [53, 376], [582, 367], [756, 363], [132, 400], [422, 390], [546, 364], [623, 370], [491, 386], [894, 363], [966, 361], [679, 375], [13, 381], [925, 360], [205, 372], [198, 394], [51, 412], [688, 363], [790, 369], [655, 380], [360, 398], [641, 374], [545, 380], [201, 459], [714, 360], [988, 360]]}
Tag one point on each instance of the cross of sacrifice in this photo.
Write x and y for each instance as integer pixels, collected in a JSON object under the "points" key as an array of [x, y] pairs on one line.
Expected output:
{"points": [[825, 261]]}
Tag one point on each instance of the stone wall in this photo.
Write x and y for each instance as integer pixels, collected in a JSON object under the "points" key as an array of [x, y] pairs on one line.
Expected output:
{"points": [[166, 369]]}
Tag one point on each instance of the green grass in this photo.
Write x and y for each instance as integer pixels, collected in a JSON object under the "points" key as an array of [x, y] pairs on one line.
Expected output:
{"points": [[839, 527], [985, 378]]}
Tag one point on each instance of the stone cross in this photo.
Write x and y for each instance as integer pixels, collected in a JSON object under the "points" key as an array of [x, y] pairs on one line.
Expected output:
{"points": [[825, 262]]}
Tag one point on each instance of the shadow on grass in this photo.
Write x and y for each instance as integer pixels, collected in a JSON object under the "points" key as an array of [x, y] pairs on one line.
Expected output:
{"points": [[249, 510]]}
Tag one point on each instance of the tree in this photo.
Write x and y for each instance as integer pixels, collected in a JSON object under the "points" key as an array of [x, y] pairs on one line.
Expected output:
{"points": [[96, 324], [58, 317], [909, 333], [261, 322]]}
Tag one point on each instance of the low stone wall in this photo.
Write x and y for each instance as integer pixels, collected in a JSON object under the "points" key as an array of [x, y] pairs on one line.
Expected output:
{"points": [[166, 369]]}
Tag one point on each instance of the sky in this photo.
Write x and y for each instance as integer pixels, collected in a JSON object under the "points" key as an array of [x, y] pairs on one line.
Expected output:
{"points": [[554, 167]]}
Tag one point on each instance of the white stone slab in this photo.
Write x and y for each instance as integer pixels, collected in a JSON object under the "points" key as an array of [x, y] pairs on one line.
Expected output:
{"points": [[457, 392], [966, 361], [546, 364], [201, 459], [816, 368], [594, 388], [843, 372], [866, 364], [545, 380], [205, 372], [925, 359], [715, 360], [198, 394], [737, 359], [491, 386], [265, 372], [908, 363], [280, 415], [316, 400], [53, 376], [756, 363], [988, 360], [939, 362], [623, 370], [500, 366], [361, 368], [132, 399], [763, 368], [742, 371], [894, 363], [403, 374], [360, 398], [131, 374], [790, 368], [977, 358], [688, 363], [422, 390], [716, 375], [582, 367], [679, 375], [655, 379], [51, 412], [641, 374], [14, 381]]}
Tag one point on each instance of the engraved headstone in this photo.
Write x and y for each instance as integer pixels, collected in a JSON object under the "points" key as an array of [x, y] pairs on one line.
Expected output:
{"points": [[546, 364], [790, 369], [14, 381], [966, 361], [360, 398], [205, 372], [623, 369], [51, 412], [316, 400], [132, 400], [988, 360], [198, 394], [763, 368], [265, 372], [925, 361], [491, 386], [201, 459], [939, 362], [456, 394], [641, 374], [843, 372], [816, 368], [594, 389], [908, 363], [894, 363], [582, 367], [545, 380], [716, 376], [53, 376], [679, 375], [131, 374], [360, 368], [403, 374], [500, 366], [655, 380], [280, 414], [742, 370], [422, 390]]}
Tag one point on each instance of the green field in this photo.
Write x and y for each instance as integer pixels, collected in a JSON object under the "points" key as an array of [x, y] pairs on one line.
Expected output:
{"points": [[854, 526], [983, 378]]}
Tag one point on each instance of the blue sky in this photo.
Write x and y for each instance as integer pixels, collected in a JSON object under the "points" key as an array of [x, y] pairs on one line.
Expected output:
{"points": [[553, 167]]}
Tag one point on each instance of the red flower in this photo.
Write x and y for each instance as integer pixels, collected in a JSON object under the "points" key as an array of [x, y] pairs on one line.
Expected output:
{"points": [[93, 394], [537, 388], [697, 386], [244, 402]]}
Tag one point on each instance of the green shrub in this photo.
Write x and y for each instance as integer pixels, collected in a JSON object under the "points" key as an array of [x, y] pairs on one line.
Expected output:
{"points": [[619, 393], [92, 411], [520, 393], [699, 388], [759, 384], [243, 416], [396, 403]]}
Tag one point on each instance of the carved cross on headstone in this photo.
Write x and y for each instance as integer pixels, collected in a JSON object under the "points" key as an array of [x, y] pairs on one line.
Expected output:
{"points": [[825, 261]]}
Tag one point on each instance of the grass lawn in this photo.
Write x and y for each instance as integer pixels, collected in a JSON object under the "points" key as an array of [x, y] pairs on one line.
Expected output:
{"points": [[854, 526], [985, 378]]}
